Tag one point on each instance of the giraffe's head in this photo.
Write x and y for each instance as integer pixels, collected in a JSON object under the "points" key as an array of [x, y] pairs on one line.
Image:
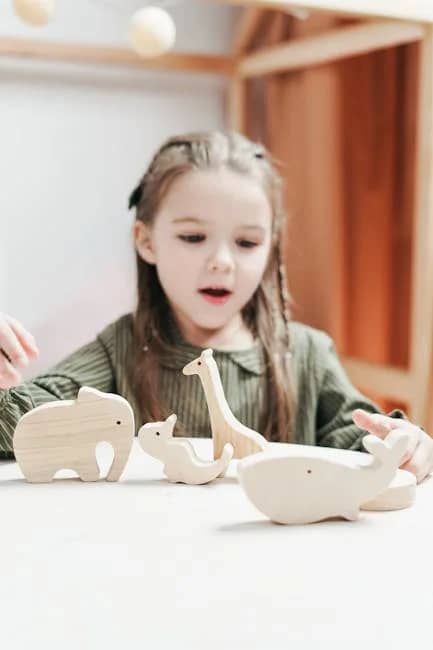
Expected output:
{"points": [[197, 366]]}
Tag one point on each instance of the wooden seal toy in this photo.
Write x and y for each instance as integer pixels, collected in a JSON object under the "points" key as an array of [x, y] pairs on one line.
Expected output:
{"points": [[181, 463]]}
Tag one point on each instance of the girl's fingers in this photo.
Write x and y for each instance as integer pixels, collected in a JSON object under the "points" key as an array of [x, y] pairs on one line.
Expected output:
{"points": [[17, 344], [375, 423], [380, 425], [9, 376], [24, 337], [12, 349], [414, 441], [421, 462]]}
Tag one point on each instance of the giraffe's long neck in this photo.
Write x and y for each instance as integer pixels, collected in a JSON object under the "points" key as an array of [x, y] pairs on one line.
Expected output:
{"points": [[219, 410]]}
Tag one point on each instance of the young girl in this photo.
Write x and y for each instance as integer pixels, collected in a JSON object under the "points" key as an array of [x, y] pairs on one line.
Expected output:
{"points": [[207, 234]]}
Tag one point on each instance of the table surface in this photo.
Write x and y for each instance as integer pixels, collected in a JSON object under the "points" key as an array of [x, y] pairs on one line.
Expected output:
{"points": [[147, 563]]}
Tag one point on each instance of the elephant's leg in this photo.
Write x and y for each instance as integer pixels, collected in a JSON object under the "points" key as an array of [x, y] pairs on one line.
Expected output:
{"points": [[89, 470], [39, 475], [121, 455], [34, 468]]}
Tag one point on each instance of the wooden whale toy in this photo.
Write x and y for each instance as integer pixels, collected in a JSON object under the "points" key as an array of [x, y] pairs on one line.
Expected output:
{"points": [[225, 427], [63, 435], [181, 464], [304, 484]]}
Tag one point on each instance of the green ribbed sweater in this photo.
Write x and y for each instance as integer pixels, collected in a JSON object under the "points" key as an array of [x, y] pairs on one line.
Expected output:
{"points": [[325, 396]]}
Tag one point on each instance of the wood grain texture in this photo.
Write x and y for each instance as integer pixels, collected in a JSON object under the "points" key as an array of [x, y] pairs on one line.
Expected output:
{"points": [[298, 484], [181, 463], [403, 9], [64, 434], [329, 46], [225, 427], [105, 55]]}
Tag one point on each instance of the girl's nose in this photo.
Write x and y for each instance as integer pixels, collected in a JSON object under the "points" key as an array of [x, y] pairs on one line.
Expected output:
{"points": [[221, 260]]}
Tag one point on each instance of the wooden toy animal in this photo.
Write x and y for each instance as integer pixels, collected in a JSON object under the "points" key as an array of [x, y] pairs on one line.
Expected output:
{"points": [[181, 464], [304, 484], [64, 434], [225, 427], [400, 493]]}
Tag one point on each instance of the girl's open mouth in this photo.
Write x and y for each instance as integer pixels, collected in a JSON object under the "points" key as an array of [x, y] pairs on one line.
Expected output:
{"points": [[215, 296]]}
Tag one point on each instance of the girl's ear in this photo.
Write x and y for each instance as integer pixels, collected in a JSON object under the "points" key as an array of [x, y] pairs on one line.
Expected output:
{"points": [[143, 242]]}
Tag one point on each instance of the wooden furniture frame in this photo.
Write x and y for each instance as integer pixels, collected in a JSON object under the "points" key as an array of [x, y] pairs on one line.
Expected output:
{"points": [[385, 24]]}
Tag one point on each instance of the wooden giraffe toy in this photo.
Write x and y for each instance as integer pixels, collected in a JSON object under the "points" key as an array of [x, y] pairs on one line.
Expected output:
{"points": [[63, 435], [181, 464], [225, 427]]}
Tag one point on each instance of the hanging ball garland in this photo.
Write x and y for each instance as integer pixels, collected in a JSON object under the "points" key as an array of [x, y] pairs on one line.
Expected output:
{"points": [[34, 12], [152, 31]]}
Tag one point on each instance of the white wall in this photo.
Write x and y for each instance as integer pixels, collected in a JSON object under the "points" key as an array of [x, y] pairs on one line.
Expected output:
{"points": [[73, 142]]}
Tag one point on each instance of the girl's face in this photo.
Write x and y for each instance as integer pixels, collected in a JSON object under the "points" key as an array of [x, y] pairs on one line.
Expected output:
{"points": [[210, 242]]}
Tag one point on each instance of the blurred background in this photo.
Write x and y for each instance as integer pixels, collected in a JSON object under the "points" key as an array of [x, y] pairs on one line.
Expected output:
{"points": [[75, 139], [76, 136]]}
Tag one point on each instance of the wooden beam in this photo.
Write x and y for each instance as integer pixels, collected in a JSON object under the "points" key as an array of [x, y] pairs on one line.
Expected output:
{"points": [[386, 381], [247, 29], [77, 53], [421, 340], [236, 104], [330, 46], [418, 10]]}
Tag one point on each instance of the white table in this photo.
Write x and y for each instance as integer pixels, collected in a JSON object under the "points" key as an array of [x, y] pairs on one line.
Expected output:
{"points": [[147, 564]]}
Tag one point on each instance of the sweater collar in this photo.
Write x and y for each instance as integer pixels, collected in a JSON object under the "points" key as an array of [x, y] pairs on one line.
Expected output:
{"points": [[251, 359]]}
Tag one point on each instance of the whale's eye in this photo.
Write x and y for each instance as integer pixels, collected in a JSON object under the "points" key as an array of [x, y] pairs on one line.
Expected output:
{"points": [[118, 422], [199, 363], [157, 433], [308, 471]]}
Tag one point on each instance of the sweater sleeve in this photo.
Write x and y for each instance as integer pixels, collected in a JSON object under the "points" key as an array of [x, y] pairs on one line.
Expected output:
{"points": [[338, 398], [88, 366]]}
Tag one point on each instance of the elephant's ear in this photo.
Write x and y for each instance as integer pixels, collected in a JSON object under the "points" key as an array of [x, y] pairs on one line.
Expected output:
{"points": [[88, 394]]}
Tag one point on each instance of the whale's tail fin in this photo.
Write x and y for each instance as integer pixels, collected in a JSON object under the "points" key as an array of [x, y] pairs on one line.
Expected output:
{"points": [[394, 445]]}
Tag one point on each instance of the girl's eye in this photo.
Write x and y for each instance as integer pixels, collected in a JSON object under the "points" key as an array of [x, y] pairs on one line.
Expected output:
{"points": [[192, 239], [245, 243]]}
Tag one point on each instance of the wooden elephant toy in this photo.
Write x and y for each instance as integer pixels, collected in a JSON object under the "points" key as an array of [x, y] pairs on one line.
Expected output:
{"points": [[63, 435]]}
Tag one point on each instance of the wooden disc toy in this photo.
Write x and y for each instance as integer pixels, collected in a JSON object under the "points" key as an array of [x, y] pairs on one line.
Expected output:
{"points": [[400, 493]]}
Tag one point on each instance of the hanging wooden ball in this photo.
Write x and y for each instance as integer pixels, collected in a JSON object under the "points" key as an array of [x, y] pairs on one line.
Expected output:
{"points": [[34, 12], [152, 31]]}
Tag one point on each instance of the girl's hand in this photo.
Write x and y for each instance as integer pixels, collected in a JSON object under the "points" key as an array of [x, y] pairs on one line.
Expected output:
{"points": [[17, 348], [419, 456]]}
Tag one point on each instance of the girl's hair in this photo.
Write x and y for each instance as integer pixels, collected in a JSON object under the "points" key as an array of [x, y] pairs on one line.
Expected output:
{"points": [[267, 314]]}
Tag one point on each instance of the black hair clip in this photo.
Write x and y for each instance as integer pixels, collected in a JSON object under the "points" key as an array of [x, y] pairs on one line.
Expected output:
{"points": [[135, 197]]}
